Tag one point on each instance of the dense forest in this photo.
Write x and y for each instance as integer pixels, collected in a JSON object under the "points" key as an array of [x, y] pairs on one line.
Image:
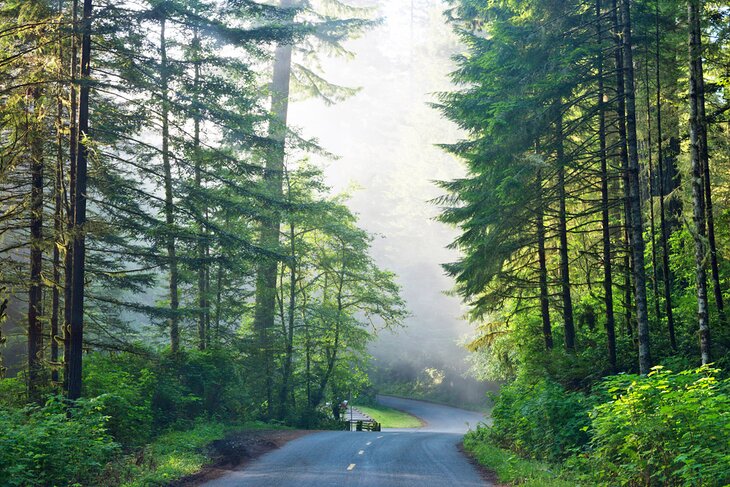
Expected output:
{"points": [[174, 265], [594, 231], [169, 255]]}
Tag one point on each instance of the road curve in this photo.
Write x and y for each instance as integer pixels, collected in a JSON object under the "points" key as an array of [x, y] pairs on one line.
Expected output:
{"points": [[425, 457]]}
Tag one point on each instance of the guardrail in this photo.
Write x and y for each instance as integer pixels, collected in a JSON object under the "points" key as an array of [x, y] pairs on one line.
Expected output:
{"points": [[361, 425]]}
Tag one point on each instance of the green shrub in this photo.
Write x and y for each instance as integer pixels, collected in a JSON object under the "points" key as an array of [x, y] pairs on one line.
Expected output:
{"points": [[13, 392], [665, 429], [129, 406], [540, 419], [43, 446]]}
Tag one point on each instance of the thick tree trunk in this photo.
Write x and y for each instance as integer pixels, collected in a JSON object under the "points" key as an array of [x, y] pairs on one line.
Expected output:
{"points": [[637, 237], [605, 203], [269, 235], [57, 216], [173, 321], [547, 330], [707, 183], [663, 238], [569, 324], [697, 126], [35, 293], [79, 241]]}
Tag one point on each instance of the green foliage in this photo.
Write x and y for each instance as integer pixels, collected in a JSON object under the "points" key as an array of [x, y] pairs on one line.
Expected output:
{"points": [[44, 446], [12, 392], [124, 385], [148, 393], [540, 419], [172, 455], [662, 430], [508, 466]]}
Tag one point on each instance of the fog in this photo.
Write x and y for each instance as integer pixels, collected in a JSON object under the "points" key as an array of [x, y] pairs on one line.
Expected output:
{"points": [[385, 137]]}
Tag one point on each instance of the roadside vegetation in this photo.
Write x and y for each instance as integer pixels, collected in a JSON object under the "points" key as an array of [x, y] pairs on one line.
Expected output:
{"points": [[509, 467], [389, 417]]}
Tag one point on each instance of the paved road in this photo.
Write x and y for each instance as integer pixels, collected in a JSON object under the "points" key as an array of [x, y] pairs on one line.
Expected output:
{"points": [[426, 457]]}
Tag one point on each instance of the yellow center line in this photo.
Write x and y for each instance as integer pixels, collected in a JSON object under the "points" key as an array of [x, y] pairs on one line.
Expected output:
{"points": [[351, 466]]}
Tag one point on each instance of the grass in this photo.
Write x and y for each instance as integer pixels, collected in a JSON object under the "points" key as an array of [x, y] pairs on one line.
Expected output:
{"points": [[172, 455], [513, 470], [389, 417]]}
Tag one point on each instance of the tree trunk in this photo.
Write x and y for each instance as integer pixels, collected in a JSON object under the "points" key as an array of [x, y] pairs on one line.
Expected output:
{"points": [[218, 296], [173, 321], [289, 349], [569, 323], [269, 234], [624, 160], [663, 238], [547, 330], [35, 293], [652, 219], [202, 228], [696, 128], [70, 200], [705, 160], [57, 215], [605, 204], [637, 237], [79, 241]]}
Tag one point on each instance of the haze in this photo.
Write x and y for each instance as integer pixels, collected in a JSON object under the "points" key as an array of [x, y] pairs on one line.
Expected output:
{"points": [[385, 137]]}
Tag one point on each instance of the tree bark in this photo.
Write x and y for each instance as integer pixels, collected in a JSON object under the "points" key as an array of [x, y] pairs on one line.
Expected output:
{"points": [[202, 229], [35, 292], [605, 204], [663, 238], [547, 330], [70, 199], [289, 347], [637, 237], [569, 324], [624, 160], [79, 241], [707, 183], [269, 234], [696, 128], [57, 215], [652, 219], [173, 321]]}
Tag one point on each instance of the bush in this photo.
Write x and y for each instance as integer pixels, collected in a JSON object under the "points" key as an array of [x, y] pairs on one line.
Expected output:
{"points": [[540, 419], [129, 406], [154, 392], [665, 429], [43, 446]]}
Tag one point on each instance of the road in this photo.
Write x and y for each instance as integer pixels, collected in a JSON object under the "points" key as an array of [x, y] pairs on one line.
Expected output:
{"points": [[421, 457]]}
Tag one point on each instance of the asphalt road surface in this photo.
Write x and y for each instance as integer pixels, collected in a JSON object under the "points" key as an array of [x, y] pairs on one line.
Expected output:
{"points": [[425, 457]]}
